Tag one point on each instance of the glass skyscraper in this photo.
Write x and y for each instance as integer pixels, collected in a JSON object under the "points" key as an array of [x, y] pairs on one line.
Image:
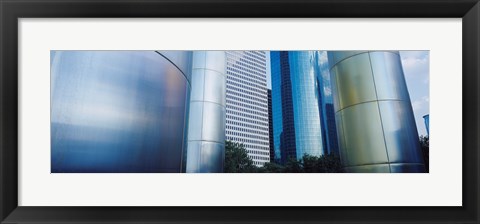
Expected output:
{"points": [[247, 104], [330, 129], [296, 104], [427, 123], [327, 113]]}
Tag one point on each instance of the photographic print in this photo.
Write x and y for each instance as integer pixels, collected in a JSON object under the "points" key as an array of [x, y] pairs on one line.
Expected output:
{"points": [[239, 111]]}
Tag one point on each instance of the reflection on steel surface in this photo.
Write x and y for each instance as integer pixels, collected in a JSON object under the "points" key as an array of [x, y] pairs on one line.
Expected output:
{"points": [[375, 122], [206, 133], [118, 111]]}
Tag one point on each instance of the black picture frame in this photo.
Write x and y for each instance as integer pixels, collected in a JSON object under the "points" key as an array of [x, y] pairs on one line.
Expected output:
{"points": [[12, 10]]}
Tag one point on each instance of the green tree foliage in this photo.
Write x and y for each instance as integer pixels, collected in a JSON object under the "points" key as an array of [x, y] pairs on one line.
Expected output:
{"points": [[293, 166], [271, 168], [324, 164], [236, 159], [312, 164], [332, 164], [424, 144]]}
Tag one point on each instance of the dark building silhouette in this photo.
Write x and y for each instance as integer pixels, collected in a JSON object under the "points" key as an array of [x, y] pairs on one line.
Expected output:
{"points": [[270, 126], [332, 129]]}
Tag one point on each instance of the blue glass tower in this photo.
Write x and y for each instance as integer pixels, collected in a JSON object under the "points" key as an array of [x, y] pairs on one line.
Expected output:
{"points": [[427, 123], [327, 112], [295, 104]]}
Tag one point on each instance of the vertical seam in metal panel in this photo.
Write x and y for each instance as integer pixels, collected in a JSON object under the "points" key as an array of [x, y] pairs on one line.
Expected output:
{"points": [[202, 139], [379, 112], [185, 125], [343, 136], [186, 120], [340, 112], [185, 111]]}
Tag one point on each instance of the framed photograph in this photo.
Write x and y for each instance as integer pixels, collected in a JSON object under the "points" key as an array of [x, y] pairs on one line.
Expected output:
{"points": [[239, 112]]}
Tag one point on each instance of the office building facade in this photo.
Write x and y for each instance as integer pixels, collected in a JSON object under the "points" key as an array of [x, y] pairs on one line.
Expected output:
{"points": [[247, 104], [375, 122], [295, 104], [327, 114]]}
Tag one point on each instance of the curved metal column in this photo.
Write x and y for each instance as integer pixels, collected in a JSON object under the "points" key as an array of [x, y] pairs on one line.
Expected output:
{"points": [[206, 133], [119, 111], [375, 122]]}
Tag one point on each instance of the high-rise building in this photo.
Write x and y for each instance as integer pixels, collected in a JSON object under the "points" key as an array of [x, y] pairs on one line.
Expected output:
{"points": [[331, 130], [270, 126], [247, 104], [295, 104], [327, 114], [375, 122], [427, 123]]}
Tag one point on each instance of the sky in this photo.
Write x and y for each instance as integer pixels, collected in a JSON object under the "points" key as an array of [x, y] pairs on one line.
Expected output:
{"points": [[416, 70]]}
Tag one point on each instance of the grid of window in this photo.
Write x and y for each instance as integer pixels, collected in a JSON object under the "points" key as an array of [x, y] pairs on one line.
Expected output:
{"points": [[295, 104], [242, 124], [250, 111], [252, 84], [246, 96], [247, 105]]}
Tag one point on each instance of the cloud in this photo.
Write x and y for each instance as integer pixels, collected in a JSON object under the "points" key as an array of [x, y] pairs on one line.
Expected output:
{"points": [[323, 57], [417, 105], [415, 63], [414, 54], [417, 75], [327, 91], [426, 99], [426, 80], [421, 103], [326, 74]]}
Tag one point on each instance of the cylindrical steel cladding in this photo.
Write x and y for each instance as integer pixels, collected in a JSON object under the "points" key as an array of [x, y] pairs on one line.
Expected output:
{"points": [[119, 111], [375, 121], [206, 133]]}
